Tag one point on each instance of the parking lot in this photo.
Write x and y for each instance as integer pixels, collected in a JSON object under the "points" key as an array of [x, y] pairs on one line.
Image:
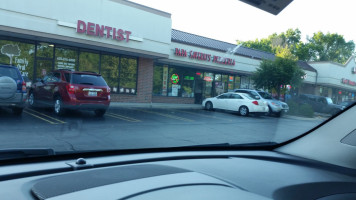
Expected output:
{"points": [[148, 127]]}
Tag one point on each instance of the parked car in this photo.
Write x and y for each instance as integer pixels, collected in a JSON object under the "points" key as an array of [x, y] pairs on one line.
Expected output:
{"points": [[320, 103], [64, 89], [275, 106], [12, 89], [346, 104], [240, 102]]}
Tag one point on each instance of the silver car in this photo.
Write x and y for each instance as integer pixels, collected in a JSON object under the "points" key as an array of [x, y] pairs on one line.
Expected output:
{"points": [[275, 106], [12, 89]]}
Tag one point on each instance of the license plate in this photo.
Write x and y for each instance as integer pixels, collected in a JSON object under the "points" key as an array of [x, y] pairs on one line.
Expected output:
{"points": [[92, 94]]}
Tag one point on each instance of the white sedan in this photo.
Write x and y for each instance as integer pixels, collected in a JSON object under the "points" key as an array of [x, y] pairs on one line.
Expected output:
{"points": [[241, 102]]}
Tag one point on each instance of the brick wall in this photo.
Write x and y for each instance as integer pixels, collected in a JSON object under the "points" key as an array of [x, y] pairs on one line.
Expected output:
{"points": [[158, 99], [144, 84]]}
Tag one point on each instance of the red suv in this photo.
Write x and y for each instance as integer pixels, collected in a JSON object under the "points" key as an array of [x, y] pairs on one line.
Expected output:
{"points": [[65, 89]]}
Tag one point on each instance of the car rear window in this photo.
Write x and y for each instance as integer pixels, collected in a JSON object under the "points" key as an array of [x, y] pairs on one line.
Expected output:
{"points": [[10, 72], [87, 79]]}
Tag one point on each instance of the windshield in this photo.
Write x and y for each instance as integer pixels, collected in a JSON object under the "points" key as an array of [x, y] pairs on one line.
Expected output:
{"points": [[329, 100], [265, 95], [10, 72], [86, 79], [144, 74]]}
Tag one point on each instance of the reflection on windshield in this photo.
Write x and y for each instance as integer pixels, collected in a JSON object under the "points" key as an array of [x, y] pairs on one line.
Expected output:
{"points": [[265, 95], [129, 86], [329, 100]]}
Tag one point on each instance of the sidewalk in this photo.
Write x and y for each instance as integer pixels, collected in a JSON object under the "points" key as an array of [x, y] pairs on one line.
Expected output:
{"points": [[155, 105], [317, 116]]}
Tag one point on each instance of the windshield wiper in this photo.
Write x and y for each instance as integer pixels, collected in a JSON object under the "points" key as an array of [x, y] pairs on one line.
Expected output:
{"points": [[25, 153]]}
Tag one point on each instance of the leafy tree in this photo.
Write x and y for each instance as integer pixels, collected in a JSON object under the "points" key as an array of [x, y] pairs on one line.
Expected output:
{"points": [[282, 71], [330, 47], [273, 42], [321, 47], [263, 44]]}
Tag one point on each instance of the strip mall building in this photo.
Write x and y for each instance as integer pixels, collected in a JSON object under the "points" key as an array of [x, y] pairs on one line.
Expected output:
{"points": [[138, 53]]}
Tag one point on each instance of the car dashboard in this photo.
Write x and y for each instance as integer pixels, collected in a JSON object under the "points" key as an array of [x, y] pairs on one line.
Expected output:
{"points": [[208, 175]]}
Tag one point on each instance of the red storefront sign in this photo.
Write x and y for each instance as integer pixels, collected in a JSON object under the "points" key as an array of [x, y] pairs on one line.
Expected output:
{"points": [[204, 57], [93, 29], [348, 82]]}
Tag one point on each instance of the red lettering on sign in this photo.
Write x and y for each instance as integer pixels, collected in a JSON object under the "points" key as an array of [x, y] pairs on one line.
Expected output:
{"points": [[81, 27], [128, 33], [90, 28], [99, 30], [177, 52], [108, 31], [184, 53], [114, 33], [120, 35]]}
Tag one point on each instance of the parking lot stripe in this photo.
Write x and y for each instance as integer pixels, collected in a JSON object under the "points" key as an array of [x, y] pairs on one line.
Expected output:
{"points": [[166, 115], [122, 117], [51, 122], [60, 121]]}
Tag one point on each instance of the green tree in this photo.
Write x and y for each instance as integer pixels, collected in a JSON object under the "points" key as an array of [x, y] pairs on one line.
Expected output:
{"points": [[271, 44], [321, 47], [330, 47], [282, 71]]}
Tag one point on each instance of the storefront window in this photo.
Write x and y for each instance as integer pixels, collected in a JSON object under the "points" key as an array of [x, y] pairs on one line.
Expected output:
{"points": [[237, 82], [43, 67], [128, 75], [208, 84], [244, 82], [225, 79], [175, 76], [188, 83], [110, 71], [230, 86], [44, 50], [19, 54], [65, 58], [217, 77], [158, 81], [89, 62]]}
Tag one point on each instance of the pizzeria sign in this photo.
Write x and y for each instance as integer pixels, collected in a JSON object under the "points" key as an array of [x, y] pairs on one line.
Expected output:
{"points": [[204, 57]]}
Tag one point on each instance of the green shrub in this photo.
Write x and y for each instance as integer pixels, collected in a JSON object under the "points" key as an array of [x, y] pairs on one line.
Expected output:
{"points": [[306, 110], [300, 109]]}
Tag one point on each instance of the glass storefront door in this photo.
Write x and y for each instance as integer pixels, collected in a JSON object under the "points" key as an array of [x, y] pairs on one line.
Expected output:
{"points": [[208, 84], [43, 67]]}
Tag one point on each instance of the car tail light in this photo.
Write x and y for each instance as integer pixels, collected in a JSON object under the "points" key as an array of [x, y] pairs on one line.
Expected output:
{"points": [[24, 89], [71, 89], [255, 102]]}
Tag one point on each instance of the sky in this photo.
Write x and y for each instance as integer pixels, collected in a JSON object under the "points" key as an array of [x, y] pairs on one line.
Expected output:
{"points": [[231, 20]]}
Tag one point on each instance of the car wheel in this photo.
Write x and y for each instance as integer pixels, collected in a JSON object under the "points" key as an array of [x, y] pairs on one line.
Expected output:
{"points": [[100, 113], [58, 106], [209, 106], [17, 111], [243, 111], [31, 99]]}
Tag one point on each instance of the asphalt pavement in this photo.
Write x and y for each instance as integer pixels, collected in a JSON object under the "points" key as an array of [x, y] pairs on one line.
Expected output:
{"points": [[127, 126]]}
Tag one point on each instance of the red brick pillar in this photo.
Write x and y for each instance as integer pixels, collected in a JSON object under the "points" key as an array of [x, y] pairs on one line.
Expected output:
{"points": [[145, 80]]}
